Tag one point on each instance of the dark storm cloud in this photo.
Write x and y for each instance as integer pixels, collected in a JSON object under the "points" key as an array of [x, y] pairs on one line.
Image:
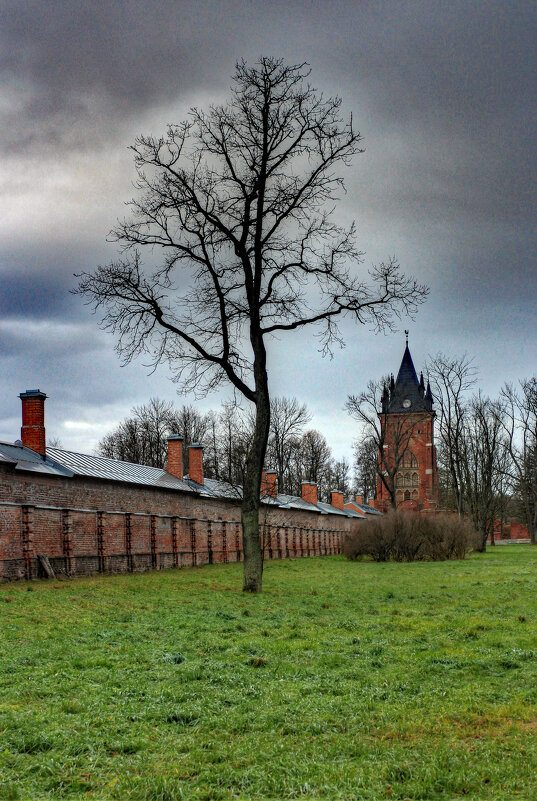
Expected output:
{"points": [[90, 64], [444, 94]]}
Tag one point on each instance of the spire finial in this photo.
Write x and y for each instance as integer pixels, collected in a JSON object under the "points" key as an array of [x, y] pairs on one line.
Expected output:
{"points": [[406, 334]]}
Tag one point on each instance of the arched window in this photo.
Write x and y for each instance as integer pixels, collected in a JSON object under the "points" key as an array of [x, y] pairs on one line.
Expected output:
{"points": [[399, 480], [407, 495], [415, 480], [407, 459], [408, 480], [415, 495], [413, 461]]}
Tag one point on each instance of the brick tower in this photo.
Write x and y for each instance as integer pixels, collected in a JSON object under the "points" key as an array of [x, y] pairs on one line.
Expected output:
{"points": [[407, 457]]}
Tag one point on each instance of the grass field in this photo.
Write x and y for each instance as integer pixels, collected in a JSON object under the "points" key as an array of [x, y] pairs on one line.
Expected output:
{"points": [[342, 681]]}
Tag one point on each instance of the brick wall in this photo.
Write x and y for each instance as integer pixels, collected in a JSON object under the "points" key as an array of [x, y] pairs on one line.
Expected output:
{"points": [[88, 525]]}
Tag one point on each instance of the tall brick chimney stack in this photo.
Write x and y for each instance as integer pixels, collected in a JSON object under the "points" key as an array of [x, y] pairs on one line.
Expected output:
{"points": [[175, 456], [33, 420], [336, 499], [269, 483], [195, 462], [359, 500], [309, 492]]}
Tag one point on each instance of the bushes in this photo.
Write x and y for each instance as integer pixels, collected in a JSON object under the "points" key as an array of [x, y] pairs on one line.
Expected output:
{"points": [[407, 536]]}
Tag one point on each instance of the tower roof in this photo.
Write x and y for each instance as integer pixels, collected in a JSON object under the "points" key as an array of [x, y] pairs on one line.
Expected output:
{"points": [[408, 393]]}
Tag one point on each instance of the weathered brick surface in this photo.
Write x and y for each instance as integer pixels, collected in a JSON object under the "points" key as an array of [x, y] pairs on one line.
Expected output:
{"points": [[89, 525], [421, 445]]}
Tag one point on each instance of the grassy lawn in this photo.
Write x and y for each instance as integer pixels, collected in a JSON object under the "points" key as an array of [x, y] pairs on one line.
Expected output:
{"points": [[342, 681]]}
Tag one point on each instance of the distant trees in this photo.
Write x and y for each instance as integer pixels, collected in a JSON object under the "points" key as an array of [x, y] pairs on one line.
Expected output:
{"points": [[519, 427], [472, 447], [366, 456], [296, 454], [288, 418], [142, 437]]}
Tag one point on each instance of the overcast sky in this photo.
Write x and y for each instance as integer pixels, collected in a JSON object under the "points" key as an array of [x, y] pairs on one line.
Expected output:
{"points": [[444, 95]]}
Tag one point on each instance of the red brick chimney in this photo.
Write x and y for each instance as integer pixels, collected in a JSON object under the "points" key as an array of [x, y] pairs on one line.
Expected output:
{"points": [[336, 499], [272, 483], [359, 500], [309, 492], [33, 420], [195, 462], [175, 456]]}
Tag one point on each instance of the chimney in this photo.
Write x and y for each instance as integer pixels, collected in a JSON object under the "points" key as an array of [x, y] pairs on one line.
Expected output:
{"points": [[359, 500], [33, 420], [195, 462], [175, 456], [271, 483], [336, 499], [309, 492], [371, 502]]}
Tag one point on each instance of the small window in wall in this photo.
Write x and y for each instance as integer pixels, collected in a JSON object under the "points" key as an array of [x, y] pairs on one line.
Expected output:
{"points": [[407, 495]]}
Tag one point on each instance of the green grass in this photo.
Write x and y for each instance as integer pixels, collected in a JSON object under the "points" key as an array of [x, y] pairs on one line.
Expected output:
{"points": [[342, 681]]}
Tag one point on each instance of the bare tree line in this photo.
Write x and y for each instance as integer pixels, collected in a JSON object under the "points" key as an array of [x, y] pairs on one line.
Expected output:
{"points": [[295, 452]]}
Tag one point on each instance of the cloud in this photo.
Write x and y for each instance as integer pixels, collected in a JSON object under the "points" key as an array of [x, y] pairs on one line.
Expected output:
{"points": [[442, 92]]}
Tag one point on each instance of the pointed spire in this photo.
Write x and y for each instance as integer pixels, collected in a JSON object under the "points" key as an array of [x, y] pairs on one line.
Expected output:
{"points": [[407, 392], [422, 385]]}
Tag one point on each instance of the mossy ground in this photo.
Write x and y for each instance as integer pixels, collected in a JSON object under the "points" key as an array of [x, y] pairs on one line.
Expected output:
{"points": [[344, 680]]}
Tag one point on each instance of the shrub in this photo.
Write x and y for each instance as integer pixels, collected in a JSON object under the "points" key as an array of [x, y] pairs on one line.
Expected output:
{"points": [[409, 536]]}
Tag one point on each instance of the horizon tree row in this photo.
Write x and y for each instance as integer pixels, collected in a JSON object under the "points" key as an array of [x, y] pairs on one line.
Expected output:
{"points": [[294, 451]]}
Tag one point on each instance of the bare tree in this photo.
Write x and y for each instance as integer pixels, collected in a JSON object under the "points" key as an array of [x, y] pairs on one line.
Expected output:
{"points": [[451, 380], [239, 201], [480, 453], [142, 437], [313, 458], [365, 467], [339, 475], [287, 420], [519, 425]]}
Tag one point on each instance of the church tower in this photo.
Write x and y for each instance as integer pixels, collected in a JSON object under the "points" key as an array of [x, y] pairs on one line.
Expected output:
{"points": [[407, 456]]}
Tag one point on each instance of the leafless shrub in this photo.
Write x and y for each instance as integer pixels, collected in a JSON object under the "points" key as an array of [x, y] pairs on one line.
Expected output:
{"points": [[407, 537]]}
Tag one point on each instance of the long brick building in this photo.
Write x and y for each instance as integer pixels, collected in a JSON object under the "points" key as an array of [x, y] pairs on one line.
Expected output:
{"points": [[72, 513]]}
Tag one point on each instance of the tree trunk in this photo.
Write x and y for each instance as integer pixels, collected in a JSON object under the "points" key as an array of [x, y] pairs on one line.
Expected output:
{"points": [[253, 554]]}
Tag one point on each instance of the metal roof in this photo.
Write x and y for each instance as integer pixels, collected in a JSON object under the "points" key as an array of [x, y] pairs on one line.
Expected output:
{"points": [[294, 502], [28, 460], [82, 464], [68, 464], [216, 489], [328, 509]]}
